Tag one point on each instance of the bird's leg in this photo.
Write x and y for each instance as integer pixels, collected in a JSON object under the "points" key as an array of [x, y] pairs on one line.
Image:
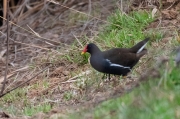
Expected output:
{"points": [[104, 76], [109, 77]]}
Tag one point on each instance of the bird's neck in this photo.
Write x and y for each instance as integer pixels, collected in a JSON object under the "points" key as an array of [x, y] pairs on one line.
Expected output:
{"points": [[96, 51]]}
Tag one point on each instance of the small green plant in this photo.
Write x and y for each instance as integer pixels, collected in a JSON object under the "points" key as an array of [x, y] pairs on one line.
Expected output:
{"points": [[155, 98], [155, 34], [68, 95], [45, 84], [16, 95], [31, 110]]}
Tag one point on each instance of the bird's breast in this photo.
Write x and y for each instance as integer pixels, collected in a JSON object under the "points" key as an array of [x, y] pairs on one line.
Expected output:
{"points": [[99, 64]]}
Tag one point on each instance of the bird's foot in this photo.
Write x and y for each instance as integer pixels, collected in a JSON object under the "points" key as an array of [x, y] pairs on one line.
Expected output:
{"points": [[108, 79], [104, 76]]}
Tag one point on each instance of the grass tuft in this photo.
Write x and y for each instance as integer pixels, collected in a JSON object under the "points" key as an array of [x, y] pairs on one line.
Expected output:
{"points": [[31, 110], [153, 99], [130, 27]]}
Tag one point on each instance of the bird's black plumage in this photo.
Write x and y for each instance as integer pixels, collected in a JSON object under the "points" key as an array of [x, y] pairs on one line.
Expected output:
{"points": [[118, 61]]}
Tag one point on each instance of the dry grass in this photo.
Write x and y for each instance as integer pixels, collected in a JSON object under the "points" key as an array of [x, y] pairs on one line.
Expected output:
{"points": [[47, 41]]}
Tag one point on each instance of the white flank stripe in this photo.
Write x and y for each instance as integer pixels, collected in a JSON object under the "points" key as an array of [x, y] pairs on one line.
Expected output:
{"points": [[141, 48], [116, 65]]}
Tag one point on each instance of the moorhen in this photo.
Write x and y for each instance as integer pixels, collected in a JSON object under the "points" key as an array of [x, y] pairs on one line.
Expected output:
{"points": [[117, 61]]}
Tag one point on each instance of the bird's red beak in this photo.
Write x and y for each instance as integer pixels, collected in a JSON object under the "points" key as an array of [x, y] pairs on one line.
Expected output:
{"points": [[84, 51]]}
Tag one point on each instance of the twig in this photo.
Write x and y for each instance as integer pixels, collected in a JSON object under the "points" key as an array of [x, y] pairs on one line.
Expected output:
{"points": [[24, 82], [55, 2], [89, 13], [31, 32], [46, 39], [23, 77], [7, 55], [77, 76], [4, 10], [15, 54], [78, 41], [15, 77], [71, 80], [35, 46], [170, 5], [34, 31], [121, 6], [37, 34]]}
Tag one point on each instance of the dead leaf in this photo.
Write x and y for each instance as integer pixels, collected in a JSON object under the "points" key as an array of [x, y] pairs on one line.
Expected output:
{"points": [[59, 69], [2, 53], [154, 12], [177, 7], [169, 14], [174, 21], [65, 73]]}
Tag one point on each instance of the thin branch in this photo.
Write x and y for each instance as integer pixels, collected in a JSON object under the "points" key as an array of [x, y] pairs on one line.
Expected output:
{"points": [[4, 10], [78, 41], [55, 2], [24, 82], [7, 53], [30, 31], [35, 46]]}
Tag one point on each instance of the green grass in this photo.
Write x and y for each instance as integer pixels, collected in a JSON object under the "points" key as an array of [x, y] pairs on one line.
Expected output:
{"points": [[126, 29], [157, 99], [153, 99], [16, 95], [31, 110], [17, 103]]}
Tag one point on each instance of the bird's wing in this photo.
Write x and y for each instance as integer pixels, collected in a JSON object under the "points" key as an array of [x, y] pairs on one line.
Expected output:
{"points": [[121, 57], [116, 65]]}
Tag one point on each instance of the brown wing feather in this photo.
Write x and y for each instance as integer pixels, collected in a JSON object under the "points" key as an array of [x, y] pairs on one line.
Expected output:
{"points": [[121, 56], [126, 56]]}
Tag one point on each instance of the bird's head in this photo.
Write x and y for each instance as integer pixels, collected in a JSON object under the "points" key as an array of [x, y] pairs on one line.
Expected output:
{"points": [[85, 50], [91, 48]]}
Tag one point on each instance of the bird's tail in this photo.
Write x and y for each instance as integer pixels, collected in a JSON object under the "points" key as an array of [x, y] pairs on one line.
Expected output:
{"points": [[140, 46], [140, 54]]}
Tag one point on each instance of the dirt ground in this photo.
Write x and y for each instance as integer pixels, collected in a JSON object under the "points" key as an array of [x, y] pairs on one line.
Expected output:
{"points": [[45, 31]]}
